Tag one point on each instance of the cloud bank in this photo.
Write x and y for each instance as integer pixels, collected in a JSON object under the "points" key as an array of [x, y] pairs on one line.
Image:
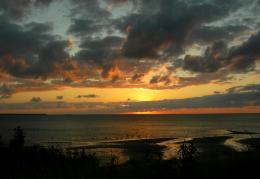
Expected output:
{"points": [[236, 97]]}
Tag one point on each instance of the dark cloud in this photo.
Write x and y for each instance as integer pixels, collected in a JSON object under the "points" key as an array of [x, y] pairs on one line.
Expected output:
{"points": [[210, 62], [245, 55], [90, 9], [160, 79], [51, 105], [210, 34], [59, 97], [101, 54], [5, 96], [14, 9], [163, 31], [105, 42], [117, 1], [220, 77], [36, 100], [98, 50], [42, 2], [238, 58], [5, 92], [4, 89], [84, 27], [19, 40], [17, 9], [160, 29], [51, 54], [91, 19], [137, 77], [88, 96], [30, 50], [241, 89]]}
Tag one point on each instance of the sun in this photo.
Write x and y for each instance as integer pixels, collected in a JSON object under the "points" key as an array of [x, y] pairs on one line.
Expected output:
{"points": [[144, 95], [145, 112]]}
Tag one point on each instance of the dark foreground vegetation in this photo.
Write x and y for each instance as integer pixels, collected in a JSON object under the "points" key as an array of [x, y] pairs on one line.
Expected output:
{"points": [[18, 161]]}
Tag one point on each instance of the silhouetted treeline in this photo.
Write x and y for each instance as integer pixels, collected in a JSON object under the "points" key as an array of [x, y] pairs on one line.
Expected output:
{"points": [[22, 162]]}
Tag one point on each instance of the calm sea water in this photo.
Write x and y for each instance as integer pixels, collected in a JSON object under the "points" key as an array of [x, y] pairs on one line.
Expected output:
{"points": [[70, 130]]}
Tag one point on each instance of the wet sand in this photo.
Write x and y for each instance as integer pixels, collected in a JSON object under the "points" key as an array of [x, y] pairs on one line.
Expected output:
{"points": [[127, 144], [242, 132], [254, 143], [207, 146]]}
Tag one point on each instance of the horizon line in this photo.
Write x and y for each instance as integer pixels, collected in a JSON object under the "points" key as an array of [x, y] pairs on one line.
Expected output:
{"points": [[123, 114]]}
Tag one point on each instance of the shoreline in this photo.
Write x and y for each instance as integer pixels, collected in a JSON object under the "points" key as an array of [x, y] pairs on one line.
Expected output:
{"points": [[204, 157], [168, 147]]}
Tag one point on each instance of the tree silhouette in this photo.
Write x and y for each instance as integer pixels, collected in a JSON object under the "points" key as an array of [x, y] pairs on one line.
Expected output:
{"points": [[17, 143], [187, 151], [186, 156], [1, 143]]}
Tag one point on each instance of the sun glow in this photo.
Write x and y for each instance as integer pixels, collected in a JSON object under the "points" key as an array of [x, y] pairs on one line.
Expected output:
{"points": [[144, 95], [146, 112]]}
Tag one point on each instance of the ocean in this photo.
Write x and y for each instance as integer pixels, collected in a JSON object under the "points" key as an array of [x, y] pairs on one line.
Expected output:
{"points": [[82, 130], [124, 137]]}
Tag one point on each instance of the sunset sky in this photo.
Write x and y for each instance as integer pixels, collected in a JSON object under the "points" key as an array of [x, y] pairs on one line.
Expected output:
{"points": [[129, 56]]}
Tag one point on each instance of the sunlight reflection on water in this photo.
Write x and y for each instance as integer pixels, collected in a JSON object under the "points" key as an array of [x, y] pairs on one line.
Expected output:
{"points": [[72, 131]]}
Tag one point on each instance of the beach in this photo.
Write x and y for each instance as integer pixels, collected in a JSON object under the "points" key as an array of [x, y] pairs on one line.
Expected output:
{"points": [[132, 136]]}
